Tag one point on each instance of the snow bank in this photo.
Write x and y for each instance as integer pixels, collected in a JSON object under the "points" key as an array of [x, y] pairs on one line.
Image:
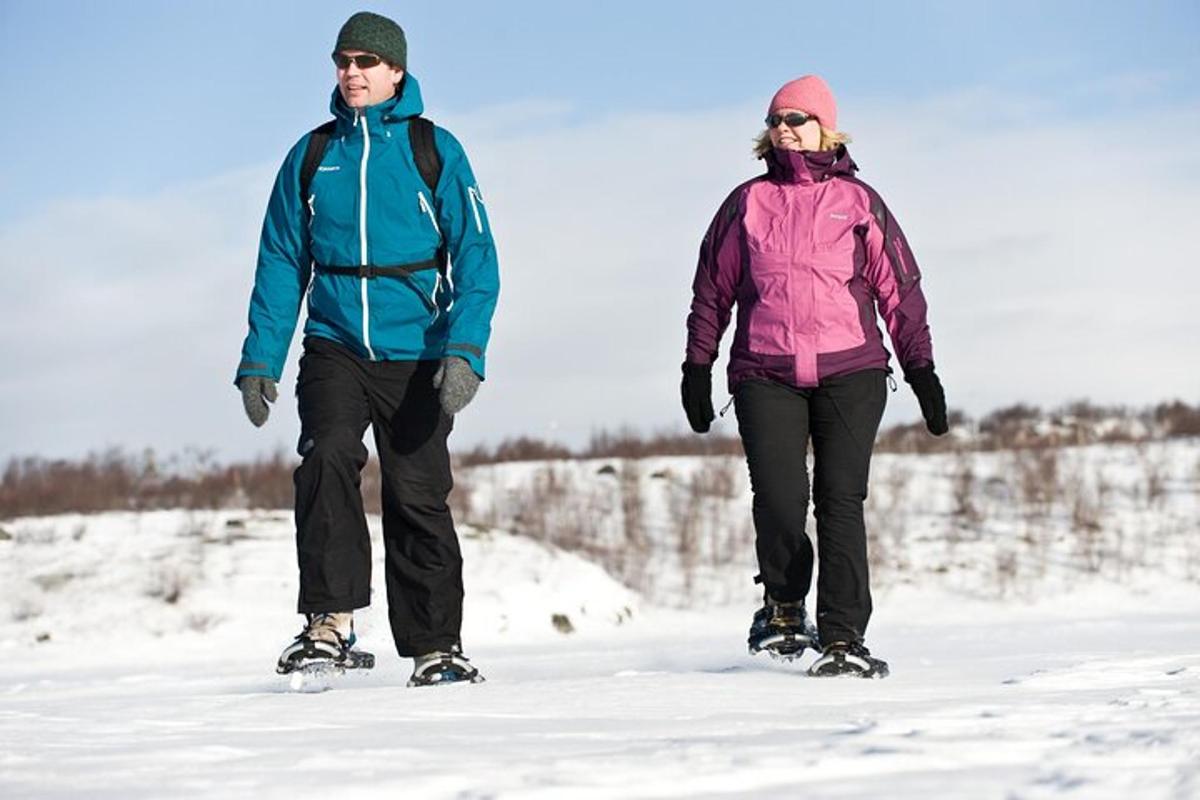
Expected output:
{"points": [[233, 575]]}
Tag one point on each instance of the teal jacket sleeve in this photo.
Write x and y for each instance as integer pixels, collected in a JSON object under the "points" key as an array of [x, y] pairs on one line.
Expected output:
{"points": [[474, 271], [282, 275]]}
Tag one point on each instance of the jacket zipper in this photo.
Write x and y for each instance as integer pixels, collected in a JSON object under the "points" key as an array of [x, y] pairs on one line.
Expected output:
{"points": [[362, 235], [428, 210], [473, 193]]}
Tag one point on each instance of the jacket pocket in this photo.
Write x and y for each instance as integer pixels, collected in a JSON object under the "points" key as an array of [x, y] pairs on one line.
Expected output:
{"points": [[770, 317], [428, 296]]}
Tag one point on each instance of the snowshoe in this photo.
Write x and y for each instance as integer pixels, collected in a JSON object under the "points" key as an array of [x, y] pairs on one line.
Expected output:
{"points": [[782, 630], [848, 659], [441, 668], [326, 645]]}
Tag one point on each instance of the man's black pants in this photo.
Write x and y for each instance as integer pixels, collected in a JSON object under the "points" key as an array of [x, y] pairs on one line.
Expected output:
{"points": [[842, 417], [341, 394]]}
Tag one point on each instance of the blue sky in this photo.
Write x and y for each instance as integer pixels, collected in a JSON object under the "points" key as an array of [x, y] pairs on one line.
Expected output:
{"points": [[1044, 159], [138, 95]]}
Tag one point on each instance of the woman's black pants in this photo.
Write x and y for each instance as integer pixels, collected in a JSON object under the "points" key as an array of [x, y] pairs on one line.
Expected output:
{"points": [[776, 422], [341, 394]]}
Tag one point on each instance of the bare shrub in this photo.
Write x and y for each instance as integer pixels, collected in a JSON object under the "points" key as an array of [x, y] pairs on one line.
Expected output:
{"points": [[633, 505], [460, 498], [1038, 479], [522, 448], [115, 480], [964, 487], [887, 553], [1191, 556], [716, 478], [628, 443], [636, 543], [914, 437], [1010, 427], [1087, 525], [1178, 419], [686, 507], [1154, 481], [535, 507], [1007, 570], [168, 582]]}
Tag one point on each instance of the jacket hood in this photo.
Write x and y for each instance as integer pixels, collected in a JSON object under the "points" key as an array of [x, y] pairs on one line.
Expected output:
{"points": [[808, 166], [404, 104]]}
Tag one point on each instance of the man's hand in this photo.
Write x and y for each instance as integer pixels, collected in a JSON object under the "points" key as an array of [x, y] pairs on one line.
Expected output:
{"points": [[257, 391], [457, 382]]}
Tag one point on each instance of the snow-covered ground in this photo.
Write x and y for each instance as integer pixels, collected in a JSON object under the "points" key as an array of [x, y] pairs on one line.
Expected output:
{"points": [[1094, 704], [136, 656]]}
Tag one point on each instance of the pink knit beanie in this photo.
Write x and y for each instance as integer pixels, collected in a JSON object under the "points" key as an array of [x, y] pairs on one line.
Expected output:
{"points": [[809, 94]]}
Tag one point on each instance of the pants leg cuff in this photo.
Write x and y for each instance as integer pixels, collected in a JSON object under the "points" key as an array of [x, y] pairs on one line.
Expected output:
{"points": [[333, 605], [419, 647]]}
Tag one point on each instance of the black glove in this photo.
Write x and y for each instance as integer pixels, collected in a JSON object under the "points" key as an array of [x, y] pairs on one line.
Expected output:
{"points": [[257, 391], [696, 390], [928, 389]]}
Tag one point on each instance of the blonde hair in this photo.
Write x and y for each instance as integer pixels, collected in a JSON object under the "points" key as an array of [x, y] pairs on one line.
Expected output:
{"points": [[830, 140]]}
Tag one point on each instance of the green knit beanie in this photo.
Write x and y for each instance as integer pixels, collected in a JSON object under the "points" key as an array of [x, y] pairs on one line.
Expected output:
{"points": [[376, 34]]}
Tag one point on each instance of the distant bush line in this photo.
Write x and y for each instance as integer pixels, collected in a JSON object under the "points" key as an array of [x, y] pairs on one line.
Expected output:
{"points": [[119, 480]]}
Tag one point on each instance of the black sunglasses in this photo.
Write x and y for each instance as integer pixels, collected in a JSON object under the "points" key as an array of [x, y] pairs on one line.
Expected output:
{"points": [[365, 61], [793, 120]]}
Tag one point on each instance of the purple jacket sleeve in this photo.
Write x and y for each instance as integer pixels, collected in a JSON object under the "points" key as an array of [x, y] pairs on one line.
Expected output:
{"points": [[895, 278], [717, 276]]}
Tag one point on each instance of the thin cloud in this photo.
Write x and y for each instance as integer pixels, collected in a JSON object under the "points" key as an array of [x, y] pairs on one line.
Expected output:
{"points": [[1055, 253]]}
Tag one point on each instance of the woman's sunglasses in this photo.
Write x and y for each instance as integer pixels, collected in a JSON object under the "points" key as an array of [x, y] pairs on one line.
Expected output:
{"points": [[365, 61], [793, 120]]}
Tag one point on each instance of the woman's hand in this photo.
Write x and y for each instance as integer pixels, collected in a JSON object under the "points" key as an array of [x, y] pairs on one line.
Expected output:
{"points": [[928, 389], [696, 391]]}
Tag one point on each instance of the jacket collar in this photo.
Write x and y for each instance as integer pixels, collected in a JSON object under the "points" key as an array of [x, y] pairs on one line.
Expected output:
{"points": [[808, 166], [404, 104]]}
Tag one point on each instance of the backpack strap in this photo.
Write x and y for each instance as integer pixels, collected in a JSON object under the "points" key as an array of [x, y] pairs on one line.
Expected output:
{"points": [[429, 164], [318, 140], [425, 152]]}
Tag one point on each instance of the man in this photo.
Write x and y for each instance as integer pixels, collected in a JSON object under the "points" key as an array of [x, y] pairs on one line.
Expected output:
{"points": [[402, 281]]}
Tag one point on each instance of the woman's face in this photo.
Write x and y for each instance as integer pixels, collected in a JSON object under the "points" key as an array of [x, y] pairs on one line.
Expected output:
{"points": [[794, 137]]}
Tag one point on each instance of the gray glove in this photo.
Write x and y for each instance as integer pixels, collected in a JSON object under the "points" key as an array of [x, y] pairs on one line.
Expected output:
{"points": [[257, 391], [458, 384]]}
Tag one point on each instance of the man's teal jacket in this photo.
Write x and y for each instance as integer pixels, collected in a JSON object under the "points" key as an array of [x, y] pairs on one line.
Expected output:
{"points": [[368, 205]]}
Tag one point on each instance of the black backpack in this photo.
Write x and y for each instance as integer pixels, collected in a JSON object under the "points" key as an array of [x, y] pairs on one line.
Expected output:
{"points": [[429, 164]]}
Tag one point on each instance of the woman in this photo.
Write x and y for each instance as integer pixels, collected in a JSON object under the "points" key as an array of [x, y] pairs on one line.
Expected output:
{"points": [[809, 253]]}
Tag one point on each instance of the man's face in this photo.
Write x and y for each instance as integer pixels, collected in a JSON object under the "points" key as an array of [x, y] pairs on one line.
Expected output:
{"points": [[363, 86]]}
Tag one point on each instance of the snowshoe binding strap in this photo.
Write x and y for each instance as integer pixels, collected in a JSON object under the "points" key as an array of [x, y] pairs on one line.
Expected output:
{"points": [[442, 669], [846, 659]]}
